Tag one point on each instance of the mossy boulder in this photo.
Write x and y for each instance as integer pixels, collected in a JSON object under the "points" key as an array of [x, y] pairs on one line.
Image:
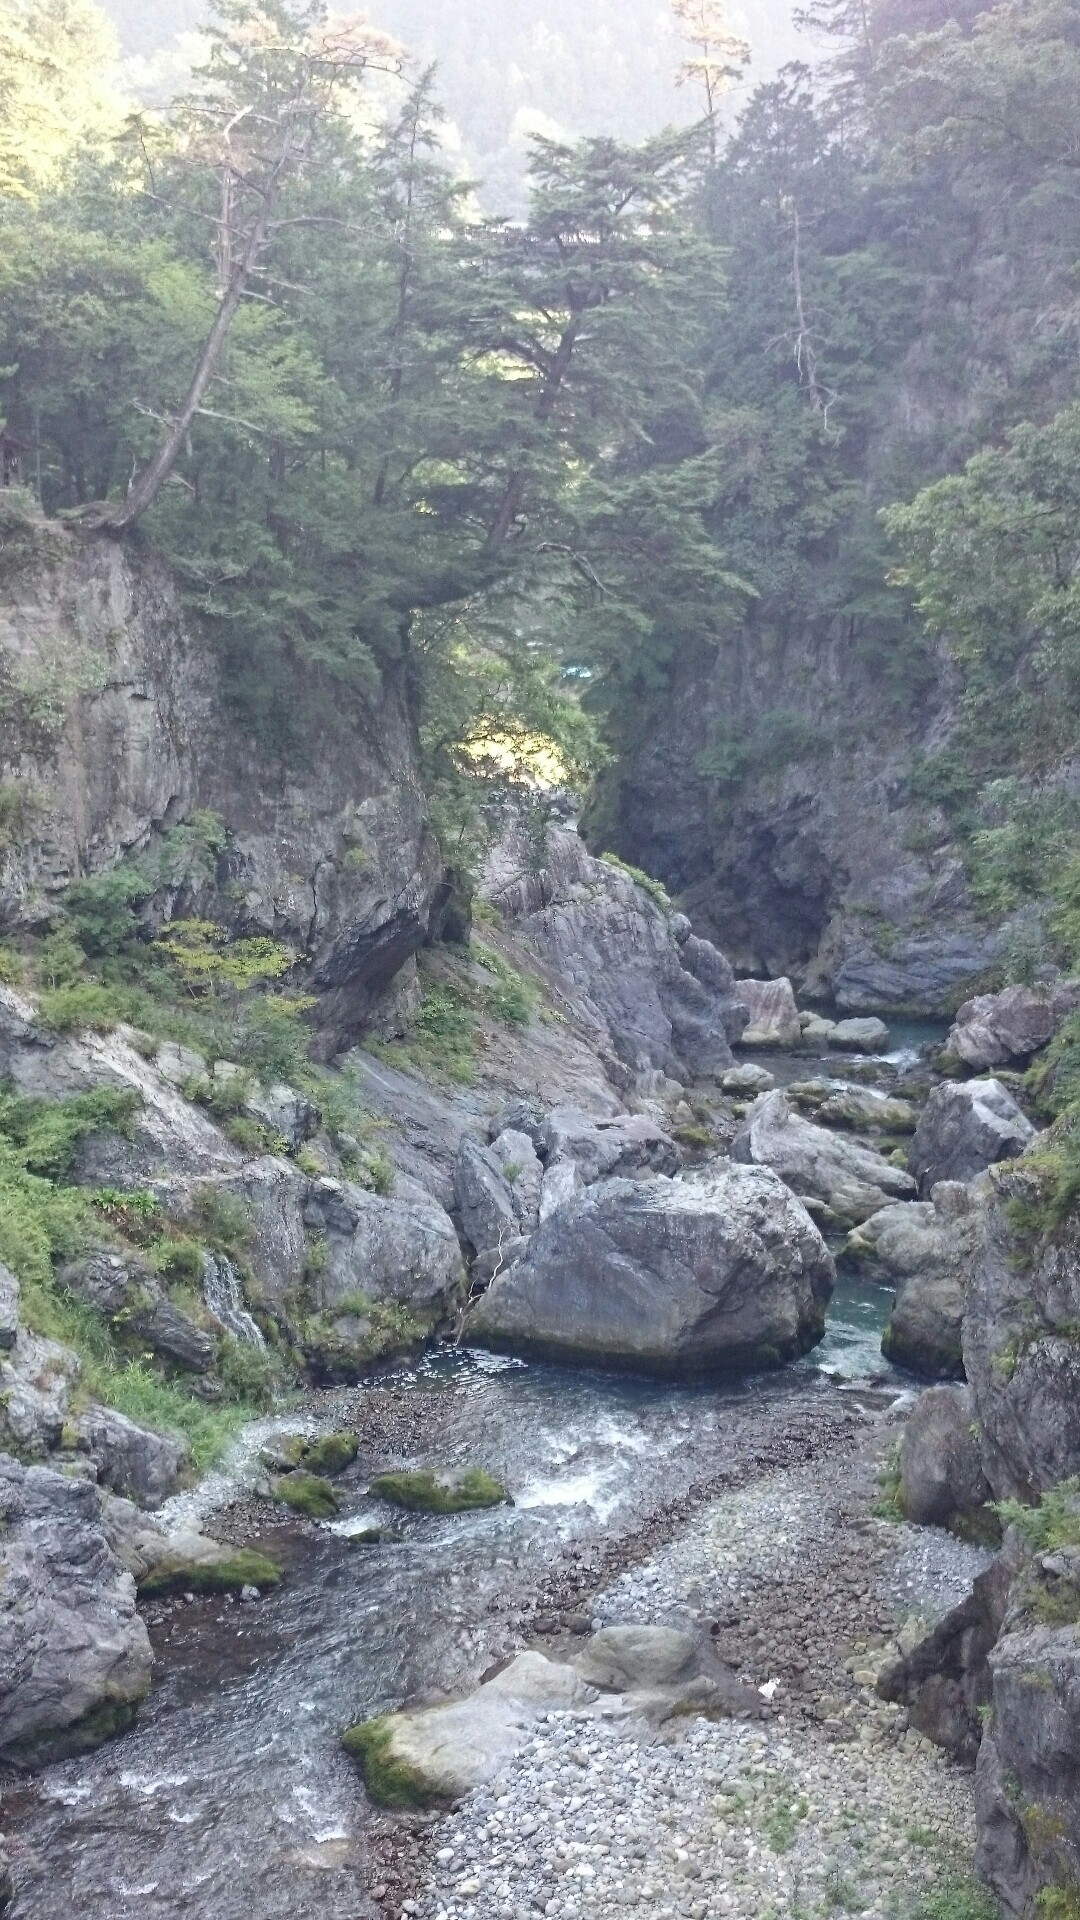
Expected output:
{"points": [[307, 1493], [235, 1570], [427, 1492], [331, 1453], [391, 1782]]}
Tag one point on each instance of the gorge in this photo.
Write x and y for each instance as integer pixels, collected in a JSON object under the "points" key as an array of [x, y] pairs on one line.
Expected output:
{"points": [[540, 984]]}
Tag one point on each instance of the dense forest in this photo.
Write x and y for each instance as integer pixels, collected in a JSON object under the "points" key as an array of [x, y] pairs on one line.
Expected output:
{"points": [[822, 370]]}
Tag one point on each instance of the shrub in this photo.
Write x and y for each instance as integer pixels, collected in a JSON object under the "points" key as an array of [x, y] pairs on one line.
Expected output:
{"points": [[222, 1218], [1052, 1524], [46, 1133], [251, 1374], [271, 1037], [87, 1007]]}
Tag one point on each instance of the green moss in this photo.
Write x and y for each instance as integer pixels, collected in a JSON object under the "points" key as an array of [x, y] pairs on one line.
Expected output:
{"points": [[390, 1782], [244, 1568], [696, 1137], [330, 1454], [307, 1493], [1058, 1903], [425, 1492]]}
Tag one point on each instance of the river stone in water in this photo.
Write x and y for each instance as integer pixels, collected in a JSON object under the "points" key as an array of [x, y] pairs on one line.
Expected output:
{"points": [[859, 1036], [75, 1658], [853, 1181], [721, 1272], [963, 1129], [925, 1249]]}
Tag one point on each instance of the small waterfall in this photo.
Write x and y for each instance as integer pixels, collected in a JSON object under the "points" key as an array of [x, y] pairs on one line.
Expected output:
{"points": [[224, 1297]]}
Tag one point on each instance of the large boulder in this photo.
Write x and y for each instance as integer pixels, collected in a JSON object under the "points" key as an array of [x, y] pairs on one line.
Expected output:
{"points": [[524, 1171], [859, 1036], [484, 1197], [75, 1658], [1021, 1350], [1002, 1029], [925, 1249], [1027, 1783], [945, 1680], [667, 999], [717, 1273], [130, 1460], [36, 1381], [181, 1561], [941, 1478], [127, 1291], [630, 1146], [774, 1017], [964, 1128], [850, 1180], [398, 1247]]}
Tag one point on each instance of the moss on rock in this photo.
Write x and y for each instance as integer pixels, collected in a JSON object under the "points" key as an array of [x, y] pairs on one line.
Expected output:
{"points": [[427, 1492], [390, 1782], [332, 1453], [307, 1493], [243, 1568]]}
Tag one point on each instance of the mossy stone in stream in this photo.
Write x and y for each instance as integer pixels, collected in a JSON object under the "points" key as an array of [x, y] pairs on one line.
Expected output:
{"points": [[330, 1454], [390, 1782], [244, 1568], [307, 1493], [426, 1492]]}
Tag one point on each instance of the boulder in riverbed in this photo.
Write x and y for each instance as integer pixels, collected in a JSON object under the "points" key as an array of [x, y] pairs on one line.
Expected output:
{"points": [[719, 1272], [859, 1036], [924, 1249], [131, 1460], [852, 1181], [774, 1017], [628, 1146], [398, 1247], [964, 1128], [941, 1477]]}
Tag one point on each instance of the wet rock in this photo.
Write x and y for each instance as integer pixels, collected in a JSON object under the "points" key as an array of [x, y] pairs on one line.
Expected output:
{"points": [[484, 1198], [860, 1036], [667, 999], [1021, 1352], [182, 1561], [724, 1271], [127, 1291], [132, 1461], [965, 1128], [628, 1146], [853, 1181], [1004, 1029], [864, 1109], [75, 1659], [941, 1476], [944, 1680], [774, 1017], [401, 1247], [925, 1249]]}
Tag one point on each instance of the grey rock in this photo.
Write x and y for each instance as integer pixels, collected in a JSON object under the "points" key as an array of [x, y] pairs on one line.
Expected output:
{"points": [[816, 1030], [400, 1247], [945, 1681], [178, 1064], [923, 972], [484, 1199], [774, 1017], [1002, 1858], [721, 1272], [865, 1109], [9, 1309], [630, 1145], [161, 1561], [127, 1291], [37, 1377], [75, 1658], [562, 1186], [494, 1260], [941, 1475], [964, 1128], [748, 1079], [1028, 1786], [925, 1249], [853, 1181], [524, 1172], [668, 1003], [142, 1466], [1021, 1354], [1001, 1029], [860, 1036], [519, 1116], [621, 1658], [284, 1111]]}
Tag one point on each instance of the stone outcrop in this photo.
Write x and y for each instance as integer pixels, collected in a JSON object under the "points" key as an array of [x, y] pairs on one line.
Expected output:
{"points": [[965, 1128], [398, 1247], [130, 1460], [127, 1292], [925, 1250], [1021, 1345], [74, 1655], [667, 998], [774, 1017], [1004, 1029], [630, 1146], [850, 1180], [945, 1681], [1027, 1782], [942, 1483], [719, 1272], [36, 1380]]}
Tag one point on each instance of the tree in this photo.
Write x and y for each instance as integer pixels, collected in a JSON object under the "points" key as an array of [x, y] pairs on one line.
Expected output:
{"points": [[275, 79], [58, 91], [718, 57]]}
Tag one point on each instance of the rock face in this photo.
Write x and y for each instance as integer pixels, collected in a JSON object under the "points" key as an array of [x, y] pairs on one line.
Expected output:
{"points": [[74, 1655], [945, 1681], [1027, 1783], [631, 1146], [965, 1128], [484, 1196], [941, 1476], [716, 1273], [925, 1249], [774, 1017], [130, 1460], [36, 1379], [1021, 1351], [399, 1247], [850, 1180], [335, 857], [667, 999], [128, 1292], [1004, 1029]]}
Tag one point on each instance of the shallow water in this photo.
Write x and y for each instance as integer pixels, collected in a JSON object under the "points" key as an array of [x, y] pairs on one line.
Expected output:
{"points": [[231, 1796]]}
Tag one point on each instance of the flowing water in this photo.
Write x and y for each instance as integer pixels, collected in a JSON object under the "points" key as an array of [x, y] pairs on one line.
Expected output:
{"points": [[231, 1796]]}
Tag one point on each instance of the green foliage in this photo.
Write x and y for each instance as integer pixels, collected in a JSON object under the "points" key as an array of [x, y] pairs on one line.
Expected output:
{"points": [[425, 1492], [86, 1008], [270, 1037], [1052, 1524], [46, 1133], [223, 1219], [208, 961], [252, 1375], [958, 1897], [655, 889]]}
